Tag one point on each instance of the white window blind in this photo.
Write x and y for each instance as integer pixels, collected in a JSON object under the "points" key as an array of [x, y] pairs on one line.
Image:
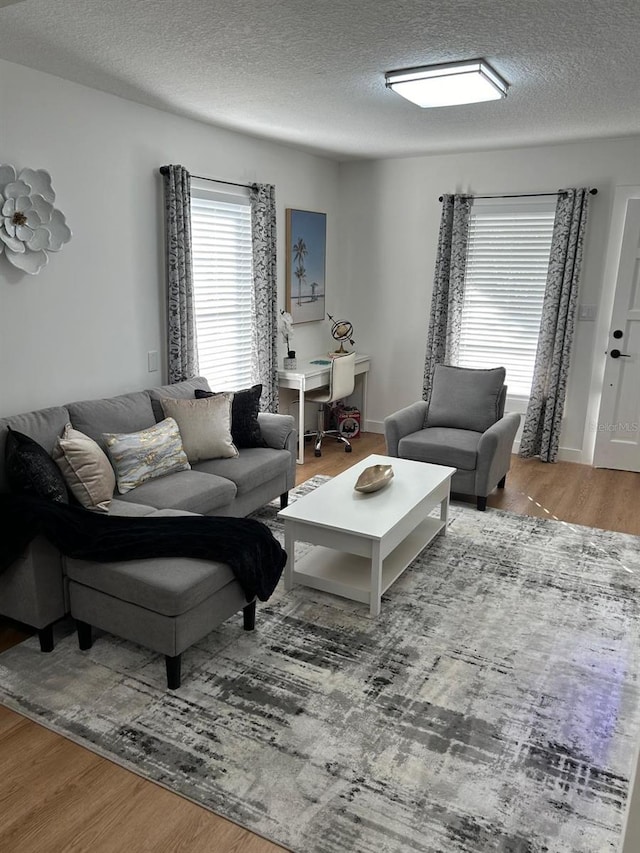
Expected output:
{"points": [[223, 283], [505, 278]]}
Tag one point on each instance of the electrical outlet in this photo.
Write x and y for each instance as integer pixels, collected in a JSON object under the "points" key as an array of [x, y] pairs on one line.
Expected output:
{"points": [[587, 312], [152, 360]]}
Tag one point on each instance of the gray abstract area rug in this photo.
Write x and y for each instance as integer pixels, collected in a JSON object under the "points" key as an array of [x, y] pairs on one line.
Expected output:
{"points": [[493, 705]]}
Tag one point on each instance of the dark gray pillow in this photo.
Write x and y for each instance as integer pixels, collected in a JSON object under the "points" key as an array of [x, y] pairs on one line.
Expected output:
{"points": [[463, 398], [30, 469], [245, 429]]}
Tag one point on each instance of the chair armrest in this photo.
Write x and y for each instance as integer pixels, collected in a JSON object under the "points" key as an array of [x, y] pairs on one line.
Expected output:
{"points": [[494, 452], [404, 422]]}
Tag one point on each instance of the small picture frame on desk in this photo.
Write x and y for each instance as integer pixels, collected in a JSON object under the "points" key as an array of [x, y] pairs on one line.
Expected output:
{"points": [[306, 265]]}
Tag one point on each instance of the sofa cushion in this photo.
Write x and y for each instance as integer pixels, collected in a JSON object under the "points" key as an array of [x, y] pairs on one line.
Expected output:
{"points": [[253, 467], [147, 454], [441, 446], [178, 391], [31, 470], [189, 490], [245, 428], [168, 586], [171, 513], [125, 413], [463, 398], [205, 426], [129, 508], [85, 468], [43, 426]]}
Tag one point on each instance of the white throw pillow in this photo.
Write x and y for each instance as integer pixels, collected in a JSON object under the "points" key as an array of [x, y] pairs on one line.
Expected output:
{"points": [[146, 454], [205, 426], [85, 468]]}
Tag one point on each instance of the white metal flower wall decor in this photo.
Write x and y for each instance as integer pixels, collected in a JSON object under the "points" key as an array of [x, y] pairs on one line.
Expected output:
{"points": [[30, 226]]}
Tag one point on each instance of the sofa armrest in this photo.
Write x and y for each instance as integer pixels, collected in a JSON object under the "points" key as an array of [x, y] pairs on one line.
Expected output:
{"points": [[404, 422], [279, 431], [494, 452], [32, 590]]}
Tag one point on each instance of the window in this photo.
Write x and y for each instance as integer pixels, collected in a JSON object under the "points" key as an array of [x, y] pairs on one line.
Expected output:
{"points": [[223, 284], [505, 279]]}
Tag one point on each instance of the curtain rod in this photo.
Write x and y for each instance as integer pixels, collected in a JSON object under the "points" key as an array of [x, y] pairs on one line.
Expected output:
{"points": [[593, 191], [219, 181], [164, 170]]}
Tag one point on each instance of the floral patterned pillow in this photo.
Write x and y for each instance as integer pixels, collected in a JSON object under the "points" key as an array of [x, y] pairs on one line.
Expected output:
{"points": [[144, 455]]}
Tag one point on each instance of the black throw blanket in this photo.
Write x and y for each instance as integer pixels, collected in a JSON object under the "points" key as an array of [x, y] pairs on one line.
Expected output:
{"points": [[247, 546]]}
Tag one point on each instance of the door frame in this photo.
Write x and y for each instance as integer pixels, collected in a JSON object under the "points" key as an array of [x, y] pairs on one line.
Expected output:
{"points": [[605, 312]]}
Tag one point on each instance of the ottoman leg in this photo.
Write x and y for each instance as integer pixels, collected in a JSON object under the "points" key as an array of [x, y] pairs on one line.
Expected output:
{"points": [[249, 616], [45, 635], [85, 640], [173, 671]]}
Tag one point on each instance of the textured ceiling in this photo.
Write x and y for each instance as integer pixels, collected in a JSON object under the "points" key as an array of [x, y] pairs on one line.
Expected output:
{"points": [[312, 74]]}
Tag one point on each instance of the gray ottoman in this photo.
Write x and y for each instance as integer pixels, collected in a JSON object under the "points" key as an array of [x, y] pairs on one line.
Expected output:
{"points": [[164, 604]]}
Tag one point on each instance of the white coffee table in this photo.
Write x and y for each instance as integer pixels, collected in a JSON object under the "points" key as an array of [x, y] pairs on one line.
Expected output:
{"points": [[366, 539]]}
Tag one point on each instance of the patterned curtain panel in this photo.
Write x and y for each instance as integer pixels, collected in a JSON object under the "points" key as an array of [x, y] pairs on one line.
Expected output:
{"points": [[181, 318], [448, 287], [541, 431], [265, 293]]}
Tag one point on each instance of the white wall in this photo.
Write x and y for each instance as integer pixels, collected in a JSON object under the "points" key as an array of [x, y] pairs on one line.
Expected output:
{"points": [[390, 211], [82, 327]]}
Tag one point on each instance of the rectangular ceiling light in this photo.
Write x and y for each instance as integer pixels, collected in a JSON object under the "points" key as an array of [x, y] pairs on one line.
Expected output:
{"points": [[449, 84]]}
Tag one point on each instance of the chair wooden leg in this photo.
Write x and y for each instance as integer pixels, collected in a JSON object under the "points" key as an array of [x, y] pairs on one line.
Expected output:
{"points": [[502, 482], [482, 503], [284, 500], [173, 671], [45, 635], [249, 616], [85, 640]]}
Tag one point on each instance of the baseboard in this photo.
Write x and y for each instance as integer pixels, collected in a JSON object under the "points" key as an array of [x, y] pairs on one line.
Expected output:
{"points": [[572, 454], [565, 454], [374, 426]]}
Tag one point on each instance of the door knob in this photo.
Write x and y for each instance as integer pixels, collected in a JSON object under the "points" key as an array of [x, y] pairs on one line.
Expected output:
{"points": [[615, 353]]}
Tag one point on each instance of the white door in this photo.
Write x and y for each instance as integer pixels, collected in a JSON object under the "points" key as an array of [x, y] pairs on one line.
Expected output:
{"points": [[618, 429]]}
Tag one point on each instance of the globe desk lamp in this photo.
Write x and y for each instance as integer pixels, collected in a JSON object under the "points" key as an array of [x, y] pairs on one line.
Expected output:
{"points": [[341, 331]]}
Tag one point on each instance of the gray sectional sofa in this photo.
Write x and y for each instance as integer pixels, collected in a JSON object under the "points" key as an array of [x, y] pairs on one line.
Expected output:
{"points": [[163, 604]]}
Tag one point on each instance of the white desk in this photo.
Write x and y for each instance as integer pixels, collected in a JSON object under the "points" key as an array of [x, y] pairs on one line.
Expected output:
{"points": [[308, 376]]}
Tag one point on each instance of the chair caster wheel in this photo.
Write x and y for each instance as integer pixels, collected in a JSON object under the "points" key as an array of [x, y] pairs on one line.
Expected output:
{"points": [[348, 448], [317, 453]]}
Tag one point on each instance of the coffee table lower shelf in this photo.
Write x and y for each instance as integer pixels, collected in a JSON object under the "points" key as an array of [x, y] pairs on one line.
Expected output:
{"points": [[351, 575]]}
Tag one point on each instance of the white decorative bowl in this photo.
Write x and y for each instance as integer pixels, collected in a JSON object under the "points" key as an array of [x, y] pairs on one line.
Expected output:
{"points": [[373, 478]]}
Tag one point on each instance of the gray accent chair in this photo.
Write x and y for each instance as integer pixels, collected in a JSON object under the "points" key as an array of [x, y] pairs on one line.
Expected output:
{"points": [[463, 426]]}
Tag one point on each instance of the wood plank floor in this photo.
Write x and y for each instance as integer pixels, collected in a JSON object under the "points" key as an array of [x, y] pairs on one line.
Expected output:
{"points": [[58, 796]]}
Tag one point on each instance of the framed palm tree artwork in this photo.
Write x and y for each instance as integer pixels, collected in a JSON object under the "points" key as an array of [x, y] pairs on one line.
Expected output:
{"points": [[306, 263]]}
